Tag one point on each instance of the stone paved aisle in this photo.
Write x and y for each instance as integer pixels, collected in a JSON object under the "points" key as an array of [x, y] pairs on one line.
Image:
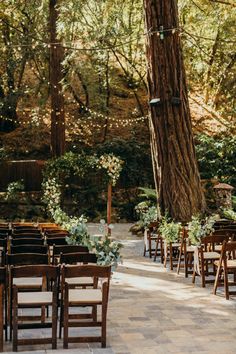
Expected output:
{"points": [[154, 311]]}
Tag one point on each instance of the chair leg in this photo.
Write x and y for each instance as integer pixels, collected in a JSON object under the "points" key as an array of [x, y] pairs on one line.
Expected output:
{"points": [[150, 247], [15, 320], [54, 322], [194, 276], [179, 261], [144, 250], [226, 283], [1, 317], [104, 316], [217, 279], [156, 250], [65, 318], [203, 273], [171, 257]]}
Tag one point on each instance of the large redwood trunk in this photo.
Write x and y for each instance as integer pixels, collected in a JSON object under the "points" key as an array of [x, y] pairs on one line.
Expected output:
{"points": [[174, 161], [56, 75]]}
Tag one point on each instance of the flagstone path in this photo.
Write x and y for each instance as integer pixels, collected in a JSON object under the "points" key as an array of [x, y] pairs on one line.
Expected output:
{"points": [[155, 311]]}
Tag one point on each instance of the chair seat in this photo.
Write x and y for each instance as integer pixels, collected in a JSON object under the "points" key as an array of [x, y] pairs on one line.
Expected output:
{"points": [[176, 244], [218, 248], [231, 263], [211, 255], [27, 282], [85, 296], [35, 298], [79, 280], [190, 249]]}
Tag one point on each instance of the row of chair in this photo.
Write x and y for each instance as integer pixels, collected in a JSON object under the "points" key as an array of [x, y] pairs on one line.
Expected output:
{"points": [[204, 260], [76, 284]]}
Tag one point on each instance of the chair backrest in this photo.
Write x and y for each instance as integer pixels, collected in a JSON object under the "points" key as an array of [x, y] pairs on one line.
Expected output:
{"points": [[3, 236], [55, 231], [29, 249], [78, 257], [26, 231], [26, 259], [57, 250], [213, 240], [24, 226], [42, 270], [56, 241], [4, 231], [86, 270], [27, 241], [57, 235], [26, 235]]}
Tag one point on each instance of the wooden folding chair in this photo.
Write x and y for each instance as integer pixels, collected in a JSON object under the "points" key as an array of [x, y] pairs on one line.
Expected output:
{"points": [[186, 253], [3, 305], [73, 282], [226, 266], [85, 297], [207, 254], [27, 284], [56, 241], [150, 236], [42, 298]]}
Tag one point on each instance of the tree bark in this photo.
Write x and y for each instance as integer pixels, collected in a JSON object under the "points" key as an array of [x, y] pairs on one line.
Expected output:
{"points": [[56, 76], [174, 161]]}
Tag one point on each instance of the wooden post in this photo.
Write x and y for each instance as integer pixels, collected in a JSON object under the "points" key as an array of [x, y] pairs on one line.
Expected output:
{"points": [[109, 197]]}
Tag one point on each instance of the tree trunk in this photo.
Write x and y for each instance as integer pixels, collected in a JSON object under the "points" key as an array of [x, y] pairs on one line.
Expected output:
{"points": [[56, 75], [174, 161]]}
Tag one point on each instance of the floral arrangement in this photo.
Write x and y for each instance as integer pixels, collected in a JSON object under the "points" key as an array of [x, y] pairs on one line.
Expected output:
{"points": [[229, 214], [13, 188], [198, 228], [113, 166], [169, 229]]}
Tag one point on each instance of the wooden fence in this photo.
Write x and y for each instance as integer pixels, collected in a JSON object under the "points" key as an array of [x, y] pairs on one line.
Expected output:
{"points": [[30, 171]]}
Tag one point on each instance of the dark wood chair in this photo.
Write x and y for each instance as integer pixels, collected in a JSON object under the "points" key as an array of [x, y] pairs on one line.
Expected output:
{"points": [[29, 284], [206, 255], [3, 305], [186, 253], [150, 237], [226, 266], [73, 282], [29, 299], [85, 297], [58, 249], [27, 241], [55, 231]]}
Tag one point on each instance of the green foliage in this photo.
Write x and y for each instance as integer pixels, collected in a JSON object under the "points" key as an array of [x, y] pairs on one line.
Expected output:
{"points": [[148, 193], [147, 214], [199, 227], [216, 158], [229, 214], [169, 229], [13, 189]]}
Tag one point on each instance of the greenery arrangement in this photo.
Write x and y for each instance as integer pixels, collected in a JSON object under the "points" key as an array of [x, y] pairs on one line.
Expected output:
{"points": [[108, 251], [199, 227], [169, 229], [229, 214], [13, 188]]}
